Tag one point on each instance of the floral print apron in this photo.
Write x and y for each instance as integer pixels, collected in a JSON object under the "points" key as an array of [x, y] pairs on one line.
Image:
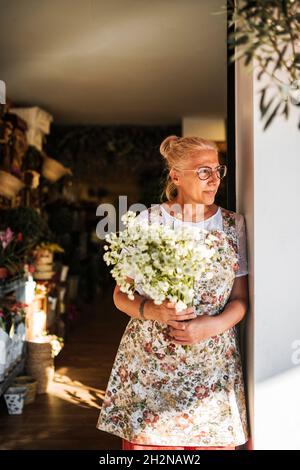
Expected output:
{"points": [[163, 394]]}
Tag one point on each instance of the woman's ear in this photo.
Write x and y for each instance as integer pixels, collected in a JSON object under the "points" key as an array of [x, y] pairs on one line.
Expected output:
{"points": [[174, 175]]}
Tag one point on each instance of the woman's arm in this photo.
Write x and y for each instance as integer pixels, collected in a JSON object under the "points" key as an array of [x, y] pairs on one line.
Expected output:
{"points": [[236, 307], [205, 326], [123, 303]]}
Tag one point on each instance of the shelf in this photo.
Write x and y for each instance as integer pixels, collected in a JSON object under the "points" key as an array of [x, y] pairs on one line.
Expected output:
{"points": [[12, 375]]}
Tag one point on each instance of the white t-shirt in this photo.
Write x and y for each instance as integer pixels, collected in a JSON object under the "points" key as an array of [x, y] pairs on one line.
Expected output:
{"points": [[215, 222]]}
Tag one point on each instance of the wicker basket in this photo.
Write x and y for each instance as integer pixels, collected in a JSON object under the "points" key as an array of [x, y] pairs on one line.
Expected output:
{"points": [[10, 185], [53, 170], [31, 385], [39, 347], [40, 364]]}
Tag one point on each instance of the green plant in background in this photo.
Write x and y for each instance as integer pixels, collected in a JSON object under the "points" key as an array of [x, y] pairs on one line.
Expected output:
{"points": [[12, 250], [12, 315], [268, 32], [29, 222], [18, 312]]}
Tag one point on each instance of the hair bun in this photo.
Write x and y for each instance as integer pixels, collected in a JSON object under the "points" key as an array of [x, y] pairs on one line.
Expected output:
{"points": [[166, 145]]}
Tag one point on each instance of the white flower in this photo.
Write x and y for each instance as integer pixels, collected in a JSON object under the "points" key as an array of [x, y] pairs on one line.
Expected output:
{"points": [[165, 263], [180, 306]]}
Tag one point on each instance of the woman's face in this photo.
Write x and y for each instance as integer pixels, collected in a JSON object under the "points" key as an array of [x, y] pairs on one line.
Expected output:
{"points": [[190, 185]]}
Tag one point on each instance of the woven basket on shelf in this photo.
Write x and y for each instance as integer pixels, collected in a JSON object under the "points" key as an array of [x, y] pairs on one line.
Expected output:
{"points": [[40, 364]]}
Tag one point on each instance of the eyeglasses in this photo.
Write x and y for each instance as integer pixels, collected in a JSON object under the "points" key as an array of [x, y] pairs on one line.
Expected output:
{"points": [[205, 172]]}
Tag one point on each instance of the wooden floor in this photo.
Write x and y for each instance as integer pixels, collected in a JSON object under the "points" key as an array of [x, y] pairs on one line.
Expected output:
{"points": [[66, 417]]}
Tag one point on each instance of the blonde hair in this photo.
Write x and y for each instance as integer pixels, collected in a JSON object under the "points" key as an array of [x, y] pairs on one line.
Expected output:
{"points": [[176, 150]]}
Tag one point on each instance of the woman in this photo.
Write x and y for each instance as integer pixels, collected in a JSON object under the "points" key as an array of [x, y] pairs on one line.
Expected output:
{"points": [[161, 395]]}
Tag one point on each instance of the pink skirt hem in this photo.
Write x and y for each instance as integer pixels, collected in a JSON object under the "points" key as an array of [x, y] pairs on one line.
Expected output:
{"points": [[126, 445]]}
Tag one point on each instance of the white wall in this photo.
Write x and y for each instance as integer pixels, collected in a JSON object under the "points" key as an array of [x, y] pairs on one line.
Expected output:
{"points": [[268, 193], [245, 205]]}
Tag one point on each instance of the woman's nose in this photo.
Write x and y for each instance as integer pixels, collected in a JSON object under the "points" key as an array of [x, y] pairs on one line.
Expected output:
{"points": [[213, 177]]}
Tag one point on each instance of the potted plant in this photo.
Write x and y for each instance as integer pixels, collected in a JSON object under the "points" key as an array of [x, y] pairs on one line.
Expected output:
{"points": [[28, 221], [12, 252], [11, 316], [18, 312]]}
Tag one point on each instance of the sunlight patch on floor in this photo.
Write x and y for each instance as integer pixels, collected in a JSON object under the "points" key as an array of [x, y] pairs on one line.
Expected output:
{"points": [[76, 392]]}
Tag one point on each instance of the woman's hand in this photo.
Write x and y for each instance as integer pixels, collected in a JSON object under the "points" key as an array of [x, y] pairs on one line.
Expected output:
{"points": [[194, 331], [166, 313]]}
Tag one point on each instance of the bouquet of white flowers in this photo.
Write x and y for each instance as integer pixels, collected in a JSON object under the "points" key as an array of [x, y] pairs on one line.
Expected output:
{"points": [[164, 263]]}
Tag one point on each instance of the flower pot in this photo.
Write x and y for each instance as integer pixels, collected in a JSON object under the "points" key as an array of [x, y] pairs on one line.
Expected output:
{"points": [[53, 170], [40, 363], [31, 386], [14, 398], [9, 185], [3, 273]]}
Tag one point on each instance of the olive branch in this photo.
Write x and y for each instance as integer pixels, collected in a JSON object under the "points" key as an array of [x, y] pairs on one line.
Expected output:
{"points": [[266, 35]]}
